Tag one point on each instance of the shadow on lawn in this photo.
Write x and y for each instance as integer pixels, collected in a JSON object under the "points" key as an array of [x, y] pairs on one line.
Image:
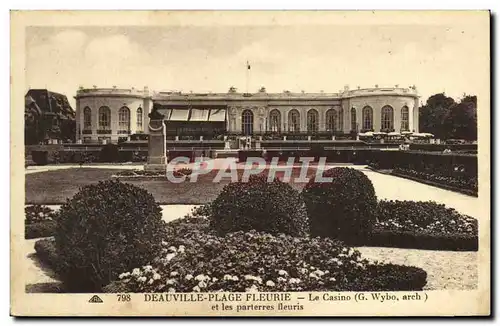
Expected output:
{"points": [[45, 287]]}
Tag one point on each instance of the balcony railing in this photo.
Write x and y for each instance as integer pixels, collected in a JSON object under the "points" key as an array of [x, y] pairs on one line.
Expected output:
{"points": [[104, 131], [123, 132], [87, 132]]}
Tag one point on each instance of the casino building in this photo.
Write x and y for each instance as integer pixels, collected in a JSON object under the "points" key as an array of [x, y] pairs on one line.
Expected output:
{"points": [[112, 114]]}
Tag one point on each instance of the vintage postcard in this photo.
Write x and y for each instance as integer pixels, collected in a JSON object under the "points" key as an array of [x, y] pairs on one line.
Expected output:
{"points": [[250, 163]]}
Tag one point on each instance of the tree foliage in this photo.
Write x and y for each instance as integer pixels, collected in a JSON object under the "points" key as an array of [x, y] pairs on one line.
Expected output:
{"points": [[448, 119]]}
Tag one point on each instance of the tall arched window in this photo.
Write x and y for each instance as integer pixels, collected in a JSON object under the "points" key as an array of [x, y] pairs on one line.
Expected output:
{"points": [[275, 120], [387, 118], [367, 118], [332, 120], [104, 118], [312, 121], [405, 116], [124, 119], [87, 118], [247, 122], [354, 125], [294, 121], [139, 119]]}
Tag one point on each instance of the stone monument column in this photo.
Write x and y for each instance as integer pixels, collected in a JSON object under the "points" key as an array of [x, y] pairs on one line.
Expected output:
{"points": [[157, 156]]}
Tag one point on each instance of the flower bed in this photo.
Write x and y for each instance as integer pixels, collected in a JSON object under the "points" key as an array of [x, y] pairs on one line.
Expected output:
{"points": [[39, 222], [194, 259], [39, 230], [423, 225], [151, 175], [139, 173], [460, 183]]}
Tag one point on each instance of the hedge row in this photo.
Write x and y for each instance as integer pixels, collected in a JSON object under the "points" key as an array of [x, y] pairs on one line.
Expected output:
{"points": [[333, 156], [107, 154], [40, 229], [422, 240], [440, 164]]}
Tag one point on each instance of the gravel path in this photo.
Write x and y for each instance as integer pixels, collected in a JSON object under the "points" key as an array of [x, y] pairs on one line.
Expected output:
{"points": [[38, 277], [446, 270]]}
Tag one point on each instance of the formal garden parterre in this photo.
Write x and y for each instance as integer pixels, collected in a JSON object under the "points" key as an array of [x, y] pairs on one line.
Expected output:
{"points": [[244, 240]]}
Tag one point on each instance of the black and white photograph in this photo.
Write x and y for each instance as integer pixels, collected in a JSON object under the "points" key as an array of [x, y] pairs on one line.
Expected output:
{"points": [[251, 163]]}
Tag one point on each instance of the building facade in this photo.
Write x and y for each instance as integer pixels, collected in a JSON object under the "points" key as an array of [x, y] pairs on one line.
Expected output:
{"points": [[111, 114], [114, 114]]}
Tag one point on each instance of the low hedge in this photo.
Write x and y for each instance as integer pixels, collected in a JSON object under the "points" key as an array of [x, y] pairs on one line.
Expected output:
{"points": [[390, 277], [47, 253], [422, 240], [40, 229]]}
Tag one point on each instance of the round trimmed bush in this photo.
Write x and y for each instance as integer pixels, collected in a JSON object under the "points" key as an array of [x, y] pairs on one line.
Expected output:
{"points": [[104, 229], [273, 207], [342, 209]]}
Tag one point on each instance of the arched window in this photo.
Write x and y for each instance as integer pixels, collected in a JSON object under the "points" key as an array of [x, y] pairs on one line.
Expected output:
{"points": [[104, 118], [405, 116], [367, 118], [87, 118], [312, 120], [331, 120], [294, 121], [354, 125], [275, 120], [247, 122], [387, 119], [124, 119], [139, 119]]}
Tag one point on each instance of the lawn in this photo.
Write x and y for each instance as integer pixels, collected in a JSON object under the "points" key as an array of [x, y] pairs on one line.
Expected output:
{"points": [[54, 187]]}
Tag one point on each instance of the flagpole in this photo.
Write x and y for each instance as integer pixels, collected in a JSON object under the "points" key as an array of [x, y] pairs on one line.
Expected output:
{"points": [[248, 76]]}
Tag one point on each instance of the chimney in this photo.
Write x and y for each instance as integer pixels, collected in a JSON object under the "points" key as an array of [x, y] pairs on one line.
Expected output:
{"points": [[346, 88]]}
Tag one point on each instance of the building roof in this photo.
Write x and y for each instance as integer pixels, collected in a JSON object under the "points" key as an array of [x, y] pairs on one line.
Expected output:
{"points": [[50, 102]]}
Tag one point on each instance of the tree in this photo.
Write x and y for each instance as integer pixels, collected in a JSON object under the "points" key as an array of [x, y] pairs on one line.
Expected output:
{"points": [[447, 119], [463, 117]]}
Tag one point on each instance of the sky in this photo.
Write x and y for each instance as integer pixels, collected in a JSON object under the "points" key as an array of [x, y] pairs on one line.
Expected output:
{"points": [[311, 58]]}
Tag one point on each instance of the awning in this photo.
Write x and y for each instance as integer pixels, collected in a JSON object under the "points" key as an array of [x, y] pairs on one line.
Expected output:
{"points": [[217, 115], [199, 115], [179, 115]]}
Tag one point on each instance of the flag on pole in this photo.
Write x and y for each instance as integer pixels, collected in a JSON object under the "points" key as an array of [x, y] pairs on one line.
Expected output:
{"points": [[248, 65]]}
